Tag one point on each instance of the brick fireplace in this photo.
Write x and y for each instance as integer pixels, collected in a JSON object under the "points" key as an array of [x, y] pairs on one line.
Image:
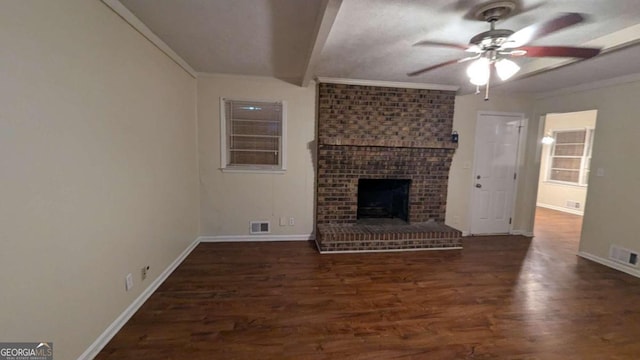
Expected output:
{"points": [[377, 133]]}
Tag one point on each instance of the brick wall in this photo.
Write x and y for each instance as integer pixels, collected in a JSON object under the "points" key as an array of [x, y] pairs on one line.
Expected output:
{"points": [[382, 116], [383, 133]]}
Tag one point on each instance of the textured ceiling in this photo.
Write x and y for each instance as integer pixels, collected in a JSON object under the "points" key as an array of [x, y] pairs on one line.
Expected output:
{"points": [[249, 37], [372, 39]]}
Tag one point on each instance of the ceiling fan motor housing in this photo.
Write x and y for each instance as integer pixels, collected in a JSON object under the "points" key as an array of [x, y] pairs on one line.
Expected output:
{"points": [[492, 39], [492, 12], [495, 10]]}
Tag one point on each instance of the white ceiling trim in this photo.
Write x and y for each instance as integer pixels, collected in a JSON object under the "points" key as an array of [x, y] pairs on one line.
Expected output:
{"points": [[325, 21], [292, 81], [590, 86], [611, 42], [394, 84], [139, 26]]}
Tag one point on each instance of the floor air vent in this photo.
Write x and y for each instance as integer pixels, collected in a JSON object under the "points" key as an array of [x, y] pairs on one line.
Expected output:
{"points": [[260, 227], [623, 256], [573, 204]]}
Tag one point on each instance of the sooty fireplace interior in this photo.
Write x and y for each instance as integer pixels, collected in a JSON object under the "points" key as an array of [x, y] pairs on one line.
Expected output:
{"points": [[383, 199]]}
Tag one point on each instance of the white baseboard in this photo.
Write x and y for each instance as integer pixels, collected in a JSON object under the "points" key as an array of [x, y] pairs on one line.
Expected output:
{"points": [[121, 320], [249, 238], [560, 208], [612, 264], [521, 232], [512, 232]]}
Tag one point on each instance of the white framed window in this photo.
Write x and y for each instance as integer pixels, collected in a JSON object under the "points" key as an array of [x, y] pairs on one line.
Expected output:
{"points": [[570, 157], [253, 135]]}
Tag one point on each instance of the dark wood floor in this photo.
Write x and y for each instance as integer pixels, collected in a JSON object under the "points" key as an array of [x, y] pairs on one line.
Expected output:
{"points": [[499, 298]]}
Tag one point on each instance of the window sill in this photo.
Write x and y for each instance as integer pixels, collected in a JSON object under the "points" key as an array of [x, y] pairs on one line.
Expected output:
{"points": [[253, 170], [551, 182]]}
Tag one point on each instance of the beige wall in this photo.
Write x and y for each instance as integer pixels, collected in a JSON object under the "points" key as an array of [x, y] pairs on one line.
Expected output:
{"points": [[228, 201], [460, 175], [100, 174], [552, 194], [98, 169], [611, 212]]}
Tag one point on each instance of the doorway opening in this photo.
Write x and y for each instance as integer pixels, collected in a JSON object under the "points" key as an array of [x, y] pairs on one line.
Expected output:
{"points": [[565, 169]]}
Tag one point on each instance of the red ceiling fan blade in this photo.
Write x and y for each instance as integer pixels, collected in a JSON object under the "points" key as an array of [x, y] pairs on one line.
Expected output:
{"points": [[559, 51], [450, 62], [536, 31], [438, 43], [422, 71]]}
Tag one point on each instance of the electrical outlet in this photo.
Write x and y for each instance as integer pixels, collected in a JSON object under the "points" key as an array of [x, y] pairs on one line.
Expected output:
{"points": [[144, 272], [292, 221], [128, 282]]}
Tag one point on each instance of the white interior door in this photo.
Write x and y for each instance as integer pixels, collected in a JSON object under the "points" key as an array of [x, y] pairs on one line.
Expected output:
{"points": [[496, 154]]}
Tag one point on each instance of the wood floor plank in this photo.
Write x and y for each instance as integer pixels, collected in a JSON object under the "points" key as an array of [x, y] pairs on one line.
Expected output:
{"points": [[504, 297]]}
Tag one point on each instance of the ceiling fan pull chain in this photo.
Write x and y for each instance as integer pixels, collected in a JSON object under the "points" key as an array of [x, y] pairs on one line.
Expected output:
{"points": [[486, 90]]}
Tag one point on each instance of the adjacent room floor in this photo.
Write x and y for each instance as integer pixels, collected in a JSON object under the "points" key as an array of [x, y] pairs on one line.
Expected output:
{"points": [[562, 228], [500, 298]]}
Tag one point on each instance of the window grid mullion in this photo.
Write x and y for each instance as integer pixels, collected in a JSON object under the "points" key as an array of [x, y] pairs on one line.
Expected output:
{"points": [[582, 157]]}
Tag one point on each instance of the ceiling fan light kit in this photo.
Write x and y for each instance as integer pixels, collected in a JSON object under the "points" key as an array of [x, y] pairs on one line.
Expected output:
{"points": [[506, 69], [479, 71], [548, 139], [494, 47]]}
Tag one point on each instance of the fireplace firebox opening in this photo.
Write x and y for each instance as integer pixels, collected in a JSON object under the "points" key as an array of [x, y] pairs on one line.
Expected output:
{"points": [[383, 199]]}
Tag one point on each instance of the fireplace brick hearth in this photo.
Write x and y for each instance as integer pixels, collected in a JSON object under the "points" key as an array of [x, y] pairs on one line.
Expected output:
{"points": [[383, 133], [369, 237]]}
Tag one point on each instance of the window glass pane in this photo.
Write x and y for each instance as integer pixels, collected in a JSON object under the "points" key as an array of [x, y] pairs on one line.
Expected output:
{"points": [[254, 132], [252, 158], [566, 163], [568, 150], [249, 142], [255, 110], [255, 128], [565, 175], [571, 137], [570, 156]]}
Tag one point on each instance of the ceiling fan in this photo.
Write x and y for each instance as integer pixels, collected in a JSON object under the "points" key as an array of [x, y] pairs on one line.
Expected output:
{"points": [[495, 47]]}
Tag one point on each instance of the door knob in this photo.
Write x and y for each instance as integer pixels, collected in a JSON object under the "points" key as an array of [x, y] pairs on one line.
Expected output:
{"points": [[478, 185]]}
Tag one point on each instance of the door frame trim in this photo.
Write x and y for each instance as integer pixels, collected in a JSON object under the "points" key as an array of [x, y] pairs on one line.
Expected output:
{"points": [[522, 137]]}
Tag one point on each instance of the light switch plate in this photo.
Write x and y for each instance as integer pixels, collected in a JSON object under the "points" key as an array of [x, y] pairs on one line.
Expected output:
{"points": [[129, 282]]}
